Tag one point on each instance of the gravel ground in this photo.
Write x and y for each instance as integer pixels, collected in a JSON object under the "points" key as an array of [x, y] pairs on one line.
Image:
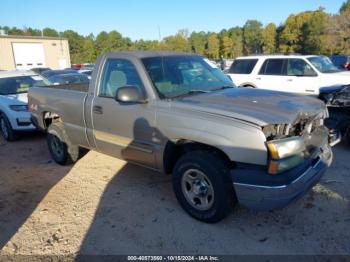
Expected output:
{"points": [[102, 205]]}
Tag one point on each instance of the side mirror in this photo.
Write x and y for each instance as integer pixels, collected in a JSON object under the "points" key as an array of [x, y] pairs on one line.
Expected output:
{"points": [[129, 94]]}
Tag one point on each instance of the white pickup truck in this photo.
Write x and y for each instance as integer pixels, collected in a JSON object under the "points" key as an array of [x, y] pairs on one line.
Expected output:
{"points": [[14, 115], [287, 73]]}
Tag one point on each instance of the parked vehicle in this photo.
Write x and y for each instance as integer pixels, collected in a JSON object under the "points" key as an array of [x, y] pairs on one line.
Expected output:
{"points": [[337, 99], [86, 72], [177, 113], [287, 73], [39, 70], [50, 73], [341, 61], [14, 114], [70, 78], [87, 66]]}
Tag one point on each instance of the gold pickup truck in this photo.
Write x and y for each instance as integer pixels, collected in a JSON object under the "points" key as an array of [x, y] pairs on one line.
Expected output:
{"points": [[179, 114]]}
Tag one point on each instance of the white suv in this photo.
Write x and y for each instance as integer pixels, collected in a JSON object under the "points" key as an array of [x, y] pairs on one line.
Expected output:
{"points": [[287, 73], [14, 114]]}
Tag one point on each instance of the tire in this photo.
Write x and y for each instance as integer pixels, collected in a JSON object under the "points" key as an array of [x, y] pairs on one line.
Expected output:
{"points": [[347, 135], [203, 187], [60, 147], [6, 129]]}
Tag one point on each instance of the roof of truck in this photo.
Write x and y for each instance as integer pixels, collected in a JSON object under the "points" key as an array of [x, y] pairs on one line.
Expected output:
{"points": [[145, 54]]}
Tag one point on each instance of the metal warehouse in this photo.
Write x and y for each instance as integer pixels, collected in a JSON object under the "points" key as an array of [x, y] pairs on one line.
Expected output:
{"points": [[26, 52]]}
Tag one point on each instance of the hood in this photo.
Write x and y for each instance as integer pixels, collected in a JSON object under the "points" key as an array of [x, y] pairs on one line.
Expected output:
{"points": [[261, 107], [334, 88], [18, 98]]}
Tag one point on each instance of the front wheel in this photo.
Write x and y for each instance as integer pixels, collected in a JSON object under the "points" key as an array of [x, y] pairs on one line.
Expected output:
{"points": [[202, 186]]}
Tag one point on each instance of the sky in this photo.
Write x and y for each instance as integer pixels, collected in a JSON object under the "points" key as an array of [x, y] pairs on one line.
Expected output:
{"points": [[146, 19]]}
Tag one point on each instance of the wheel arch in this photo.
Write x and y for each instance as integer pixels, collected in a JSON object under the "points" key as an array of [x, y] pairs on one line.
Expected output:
{"points": [[175, 149]]}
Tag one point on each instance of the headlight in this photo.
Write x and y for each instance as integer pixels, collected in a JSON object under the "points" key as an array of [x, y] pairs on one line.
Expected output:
{"points": [[287, 147], [276, 167], [285, 154], [19, 108]]}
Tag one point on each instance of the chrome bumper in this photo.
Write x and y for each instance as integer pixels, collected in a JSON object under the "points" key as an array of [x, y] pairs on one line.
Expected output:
{"points": [[262, 197]]}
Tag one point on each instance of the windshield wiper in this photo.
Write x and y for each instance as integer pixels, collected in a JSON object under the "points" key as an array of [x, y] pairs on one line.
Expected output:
{"points": [[191, 92]]}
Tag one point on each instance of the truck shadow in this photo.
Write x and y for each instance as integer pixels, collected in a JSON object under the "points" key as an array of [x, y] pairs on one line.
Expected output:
{"points": [[23, 186]]}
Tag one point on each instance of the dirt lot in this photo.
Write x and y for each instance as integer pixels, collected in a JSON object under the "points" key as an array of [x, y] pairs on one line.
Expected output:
{"points": [[104, 206]]}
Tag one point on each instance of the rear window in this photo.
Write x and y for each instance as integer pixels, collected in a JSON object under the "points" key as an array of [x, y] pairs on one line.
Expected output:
{"points": [[243, 66], [19, 84], [273, 67]]}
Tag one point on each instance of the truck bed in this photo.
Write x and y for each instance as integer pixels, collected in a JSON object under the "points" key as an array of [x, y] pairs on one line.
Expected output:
{"points": [[73, 87], [66, 101]]}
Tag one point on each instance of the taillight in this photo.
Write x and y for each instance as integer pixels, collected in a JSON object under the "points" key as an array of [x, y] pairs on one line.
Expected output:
{"points": [[347, 66], [32, 107]]}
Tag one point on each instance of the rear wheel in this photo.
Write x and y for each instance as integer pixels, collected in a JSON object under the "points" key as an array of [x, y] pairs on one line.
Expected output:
{"points": [[202, 186], [61, 149], [6, 129]]}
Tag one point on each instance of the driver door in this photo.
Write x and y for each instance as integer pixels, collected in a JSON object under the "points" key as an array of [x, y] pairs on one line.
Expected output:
{"points": [[123, 130]]}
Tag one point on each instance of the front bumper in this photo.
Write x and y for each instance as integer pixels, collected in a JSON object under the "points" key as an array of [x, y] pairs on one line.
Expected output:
{"points": [[278, 191], [21, 121]]}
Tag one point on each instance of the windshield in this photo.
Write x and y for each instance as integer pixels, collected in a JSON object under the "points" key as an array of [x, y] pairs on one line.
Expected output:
{"points": [[175, 76], [323, 64], [19, 84]]}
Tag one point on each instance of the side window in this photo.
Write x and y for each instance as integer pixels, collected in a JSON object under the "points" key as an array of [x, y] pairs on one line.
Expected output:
{"points": [[118, 73], [273, 67], [243, 66], [298, 67]]}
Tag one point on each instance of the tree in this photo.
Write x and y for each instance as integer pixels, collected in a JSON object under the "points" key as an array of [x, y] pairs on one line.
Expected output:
{"points": [[236, 34], [268, 39], [303, 32], [213, 46], [75, 45], [345, 6], [146, 45], [50, 32], [337, 36], [28, 31], [88, 54], [313, 31], [178, 42], [252, 37], [197, 42]]}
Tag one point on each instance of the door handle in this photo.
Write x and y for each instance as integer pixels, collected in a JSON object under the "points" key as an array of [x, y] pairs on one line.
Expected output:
{"points": [[309, 90], [258, 78], [290, 80], [98, 110]]}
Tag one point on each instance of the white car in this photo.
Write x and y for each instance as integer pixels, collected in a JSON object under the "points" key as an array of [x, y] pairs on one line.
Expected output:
{"points": [[14, 114], [287, 73]]}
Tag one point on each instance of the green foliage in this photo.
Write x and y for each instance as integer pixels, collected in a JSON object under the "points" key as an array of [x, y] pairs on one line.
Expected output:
{"points": [[198, 42], [213, 46], [345, 6], [178, 42], [50, 32], [312, 32], [252, 37], [75, 45], [268, 39], [236, 34]]}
